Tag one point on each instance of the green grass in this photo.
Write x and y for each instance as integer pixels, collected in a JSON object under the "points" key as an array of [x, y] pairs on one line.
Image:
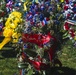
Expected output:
{"points": [[8, 63], [67, 55], [8, 66]]}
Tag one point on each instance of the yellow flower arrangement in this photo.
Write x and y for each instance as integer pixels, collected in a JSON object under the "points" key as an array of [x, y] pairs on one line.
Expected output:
{"points": [[10, 32]]}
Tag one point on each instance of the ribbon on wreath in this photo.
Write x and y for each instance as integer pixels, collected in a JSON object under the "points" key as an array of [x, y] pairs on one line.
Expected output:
{"points": [[40, 40]]}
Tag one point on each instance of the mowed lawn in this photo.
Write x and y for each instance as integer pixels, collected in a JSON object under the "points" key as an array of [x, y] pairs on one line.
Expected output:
{"points": [[67, 55], [8, 62]]}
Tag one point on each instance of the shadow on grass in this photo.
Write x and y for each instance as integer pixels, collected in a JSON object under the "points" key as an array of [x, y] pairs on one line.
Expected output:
{"points": [[61, 71], [9, 53]]}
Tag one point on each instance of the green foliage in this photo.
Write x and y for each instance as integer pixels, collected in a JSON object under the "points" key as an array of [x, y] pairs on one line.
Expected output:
{"points": [[67, 57]]}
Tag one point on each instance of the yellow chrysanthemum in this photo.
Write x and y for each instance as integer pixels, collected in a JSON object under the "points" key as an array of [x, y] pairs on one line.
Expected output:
{"points": [[7, 32], [14, 40], [12, 25], [15, 37], [7, 23], [16, 14], [11, 16], [17, 20]]}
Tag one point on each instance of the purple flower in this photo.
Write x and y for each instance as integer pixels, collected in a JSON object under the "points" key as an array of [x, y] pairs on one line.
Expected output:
{"points": [[75, 44], [1, 26]]}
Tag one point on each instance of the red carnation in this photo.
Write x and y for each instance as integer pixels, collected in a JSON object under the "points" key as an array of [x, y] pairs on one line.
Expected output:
{"points": [[66, 26]]}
